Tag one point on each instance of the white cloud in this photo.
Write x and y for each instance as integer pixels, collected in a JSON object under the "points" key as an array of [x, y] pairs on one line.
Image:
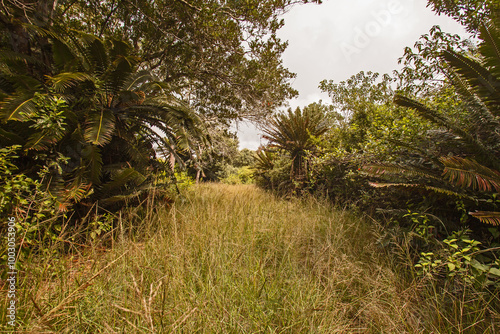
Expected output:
{"points": [[379, 30]]}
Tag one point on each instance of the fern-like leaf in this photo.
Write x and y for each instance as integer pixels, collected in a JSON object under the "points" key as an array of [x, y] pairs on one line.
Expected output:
{"points": [[420, 186], [469, 173], [122, 177], [381, 169], [485, 84], [64, 81], [17, 108], [100, 128], [487, 217], [92, 155]]}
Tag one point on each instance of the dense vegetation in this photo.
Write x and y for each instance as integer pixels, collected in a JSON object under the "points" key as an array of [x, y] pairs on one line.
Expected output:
{"points": [[233, 258], [431, 147], [110, 111]]}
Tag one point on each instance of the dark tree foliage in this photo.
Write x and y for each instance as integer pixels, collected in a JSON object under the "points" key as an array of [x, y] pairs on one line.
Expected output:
{"points": [[294, 132], [223, 56], [470, 13]]}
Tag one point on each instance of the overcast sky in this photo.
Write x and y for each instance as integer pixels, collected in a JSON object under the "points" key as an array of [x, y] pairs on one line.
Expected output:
{"points": [[339, 38]]}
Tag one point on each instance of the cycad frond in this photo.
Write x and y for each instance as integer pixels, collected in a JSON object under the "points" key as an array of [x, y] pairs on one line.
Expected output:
{"points": [[120, 178], [490, 49], [100, 127], [422, 109], [381, 169], [43, 139], [118, 73], [96, 52], [264, 160], [486, 86], [420, 186], [476, 146], [66, 80], [74, 193], [469, 173], [16, 58], [93, 157], [18, 108], [487, 217]]}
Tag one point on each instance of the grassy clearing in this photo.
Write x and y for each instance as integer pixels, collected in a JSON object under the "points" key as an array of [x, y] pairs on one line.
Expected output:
{"points": [[234, 259]]}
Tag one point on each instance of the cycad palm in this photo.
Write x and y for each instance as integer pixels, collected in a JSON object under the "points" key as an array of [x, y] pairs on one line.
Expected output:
{"points": [[294, 132], [478, 84], [113, 117]]}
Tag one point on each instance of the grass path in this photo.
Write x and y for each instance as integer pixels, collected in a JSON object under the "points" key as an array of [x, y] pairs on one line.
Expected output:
{"points": [[227, 259]]}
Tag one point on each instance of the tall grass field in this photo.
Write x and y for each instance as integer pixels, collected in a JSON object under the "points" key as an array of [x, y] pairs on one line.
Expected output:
{"points": [[235, 259]]}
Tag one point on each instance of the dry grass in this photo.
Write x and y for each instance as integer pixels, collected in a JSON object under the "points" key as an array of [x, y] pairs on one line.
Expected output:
{"points": [[234, 259]]}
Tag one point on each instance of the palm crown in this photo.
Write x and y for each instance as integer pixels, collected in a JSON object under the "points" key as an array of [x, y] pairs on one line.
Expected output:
{"points": [[107, 118]]}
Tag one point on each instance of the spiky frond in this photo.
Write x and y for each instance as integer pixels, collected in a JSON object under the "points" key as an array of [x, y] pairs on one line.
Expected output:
{"points": [[120, 178], [41, 140], [490, 49], [93, 158], [487, 217], [469, 173], [264, 160], [100, 127], [420, 186], [435, 117], [486, 85], [385, 169], [17, 108], [63, 81], [73, 193], [293, 132]]}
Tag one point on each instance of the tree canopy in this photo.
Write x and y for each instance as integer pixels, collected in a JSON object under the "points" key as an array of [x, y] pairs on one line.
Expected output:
{"points": [[222, 56]]}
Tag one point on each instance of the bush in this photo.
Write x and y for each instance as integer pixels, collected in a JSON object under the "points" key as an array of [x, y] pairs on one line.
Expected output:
{"points": [[38, 220], [234, 175]]}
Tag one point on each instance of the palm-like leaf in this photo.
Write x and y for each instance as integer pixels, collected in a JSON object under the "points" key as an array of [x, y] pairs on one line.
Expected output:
{"points": [[293, 132], [478, 84], [468, 173], [66, 80], [114, 117], [487, 217], [490, 49], [100, 129], [476, 146], [17, 108], [385, 169], [486, 85], [92, 156], [121, 178], [438, 190], [264, 161]]}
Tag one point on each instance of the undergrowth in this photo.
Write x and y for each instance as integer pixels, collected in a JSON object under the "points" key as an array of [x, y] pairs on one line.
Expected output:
{"points": [[235, 259]]}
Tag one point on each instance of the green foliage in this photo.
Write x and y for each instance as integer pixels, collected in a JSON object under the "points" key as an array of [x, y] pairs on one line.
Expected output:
{"points": [[470, 13], [235, 175], [242, 76], [96, 123], [14, 187], [477, 137], [423, 73], [38, 221], [99, 225], [295, 132], [460, 259], [271, 170], [245, 157]]}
